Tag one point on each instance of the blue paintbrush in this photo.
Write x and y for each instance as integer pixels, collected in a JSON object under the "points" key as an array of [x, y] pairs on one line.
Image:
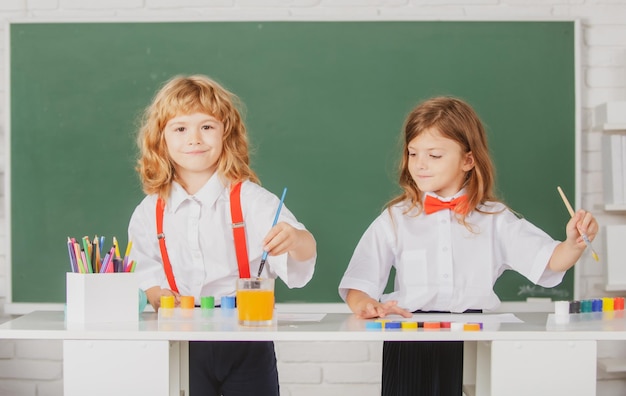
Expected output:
{"points": [[264, 256]]}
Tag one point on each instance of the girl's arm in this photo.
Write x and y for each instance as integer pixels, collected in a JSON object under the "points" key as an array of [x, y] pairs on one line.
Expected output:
{"points": [[567, 253], [366, 307]]}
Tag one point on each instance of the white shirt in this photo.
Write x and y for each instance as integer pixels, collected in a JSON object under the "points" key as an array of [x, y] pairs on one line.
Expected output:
{"points": [[200, 242], [440, 264]]}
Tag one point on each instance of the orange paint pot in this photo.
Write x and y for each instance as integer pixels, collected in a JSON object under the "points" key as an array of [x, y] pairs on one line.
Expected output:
{"points": [[187, 302]]}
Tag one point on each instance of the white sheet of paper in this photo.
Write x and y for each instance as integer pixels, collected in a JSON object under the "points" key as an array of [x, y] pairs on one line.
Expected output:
{"points": [[298, 317]]}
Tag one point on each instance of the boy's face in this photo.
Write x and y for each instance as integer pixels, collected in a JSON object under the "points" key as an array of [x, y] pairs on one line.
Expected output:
{"points": [[437, 164], [194, 143]]}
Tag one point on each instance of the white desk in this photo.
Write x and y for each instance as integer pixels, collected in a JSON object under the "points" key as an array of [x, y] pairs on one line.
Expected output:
{"points": [[150, 357]]}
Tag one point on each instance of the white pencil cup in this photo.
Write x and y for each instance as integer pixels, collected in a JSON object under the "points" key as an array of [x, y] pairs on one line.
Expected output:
{"points": [[101, 298]]}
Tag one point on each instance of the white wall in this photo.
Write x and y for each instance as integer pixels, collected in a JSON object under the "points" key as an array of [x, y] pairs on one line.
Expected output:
{"points": [[32, 368]]}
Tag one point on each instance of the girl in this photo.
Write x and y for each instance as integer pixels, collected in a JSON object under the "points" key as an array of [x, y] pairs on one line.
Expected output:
{"points": [[449, 239], [194, 168]]}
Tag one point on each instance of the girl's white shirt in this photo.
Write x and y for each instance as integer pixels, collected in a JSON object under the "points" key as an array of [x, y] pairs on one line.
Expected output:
{"points": [[200, 244], [440, 264]]}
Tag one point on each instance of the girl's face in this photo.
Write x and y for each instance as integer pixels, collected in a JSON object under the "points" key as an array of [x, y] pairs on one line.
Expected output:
{"points": [[437, 164], [194, 143]]}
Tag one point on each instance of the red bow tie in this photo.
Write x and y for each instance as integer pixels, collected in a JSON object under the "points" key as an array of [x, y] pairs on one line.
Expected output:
{"points": [[432, 204]]}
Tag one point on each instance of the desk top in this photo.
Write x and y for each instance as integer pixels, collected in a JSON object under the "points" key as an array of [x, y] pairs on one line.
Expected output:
{"points": [[222, 325]]}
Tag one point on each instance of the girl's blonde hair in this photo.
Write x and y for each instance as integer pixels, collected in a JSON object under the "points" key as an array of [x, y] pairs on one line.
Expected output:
{"points": [[455, 120], [184, 95]]}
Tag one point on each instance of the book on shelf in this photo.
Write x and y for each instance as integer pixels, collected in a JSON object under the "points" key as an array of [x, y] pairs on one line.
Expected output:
{"points": [[614, 185]]}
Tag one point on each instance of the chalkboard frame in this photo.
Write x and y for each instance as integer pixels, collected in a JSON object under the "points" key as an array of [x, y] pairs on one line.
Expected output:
{"points": [[571, 185]]}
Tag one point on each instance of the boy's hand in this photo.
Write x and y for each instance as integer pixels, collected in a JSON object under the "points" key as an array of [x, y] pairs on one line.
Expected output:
{"points": [[284, 238], [280, 239], [154, 296]]}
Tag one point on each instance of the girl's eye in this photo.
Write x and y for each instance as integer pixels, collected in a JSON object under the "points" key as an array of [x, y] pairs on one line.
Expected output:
{"points": [[207, 127], [435, 156], [411, 154], [180, 129]]}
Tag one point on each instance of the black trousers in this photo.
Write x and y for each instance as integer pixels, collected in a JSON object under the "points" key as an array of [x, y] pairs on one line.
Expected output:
{"points": [[423, 368], [232, 368]]}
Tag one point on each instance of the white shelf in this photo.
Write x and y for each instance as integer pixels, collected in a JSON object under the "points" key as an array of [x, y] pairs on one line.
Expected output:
{"points": [[611, 128], [612, 365], [610, 117], [615, 287], [615, 207]]}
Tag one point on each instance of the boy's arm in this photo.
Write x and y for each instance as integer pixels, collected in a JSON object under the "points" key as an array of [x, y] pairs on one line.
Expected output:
{"points": [[305, 247]]}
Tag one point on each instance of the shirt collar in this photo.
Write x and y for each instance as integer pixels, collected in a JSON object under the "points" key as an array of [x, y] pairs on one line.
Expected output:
{"points": [[444, 199], [207, 195]]}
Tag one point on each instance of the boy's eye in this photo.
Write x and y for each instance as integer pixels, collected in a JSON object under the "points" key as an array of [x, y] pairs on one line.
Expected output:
{"points": [[207, 127], [180, 129], [435, 156], [411, 154]]}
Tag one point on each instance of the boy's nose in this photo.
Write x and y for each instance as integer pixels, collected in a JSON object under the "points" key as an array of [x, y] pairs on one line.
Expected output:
{"points": [[194, 137]]}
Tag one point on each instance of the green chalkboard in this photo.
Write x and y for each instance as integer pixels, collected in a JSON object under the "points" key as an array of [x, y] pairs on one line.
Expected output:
{"points": [[325, 103]]}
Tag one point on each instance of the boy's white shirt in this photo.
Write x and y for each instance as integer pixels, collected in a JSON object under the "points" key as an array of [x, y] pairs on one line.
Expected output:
{"points": [[199, 240], [440, 264]]}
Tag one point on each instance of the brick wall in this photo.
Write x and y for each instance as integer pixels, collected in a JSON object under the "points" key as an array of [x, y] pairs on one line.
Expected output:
{"points": [[34, 368]]}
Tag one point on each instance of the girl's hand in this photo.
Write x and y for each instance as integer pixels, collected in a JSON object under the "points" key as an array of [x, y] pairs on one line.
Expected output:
{"points": [[581, 222], [283, 238], [154, 296], [375, 309], [365, 307], [567, 253]]}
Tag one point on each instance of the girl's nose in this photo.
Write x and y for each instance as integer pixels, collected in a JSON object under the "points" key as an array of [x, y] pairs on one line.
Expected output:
{"points": [[421, 163]]}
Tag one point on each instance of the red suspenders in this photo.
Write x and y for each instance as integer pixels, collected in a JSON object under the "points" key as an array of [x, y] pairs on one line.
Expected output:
{"points": [[167, 266], [239, 233]]}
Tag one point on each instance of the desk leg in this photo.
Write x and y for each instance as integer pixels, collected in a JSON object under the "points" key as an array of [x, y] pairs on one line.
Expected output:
{"points": [[108, 367], [469, 363], [183, 367], [522, 368]]}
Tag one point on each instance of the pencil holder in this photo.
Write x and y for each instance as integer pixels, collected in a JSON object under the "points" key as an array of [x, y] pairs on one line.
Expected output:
{"points": [[101, 298]]}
